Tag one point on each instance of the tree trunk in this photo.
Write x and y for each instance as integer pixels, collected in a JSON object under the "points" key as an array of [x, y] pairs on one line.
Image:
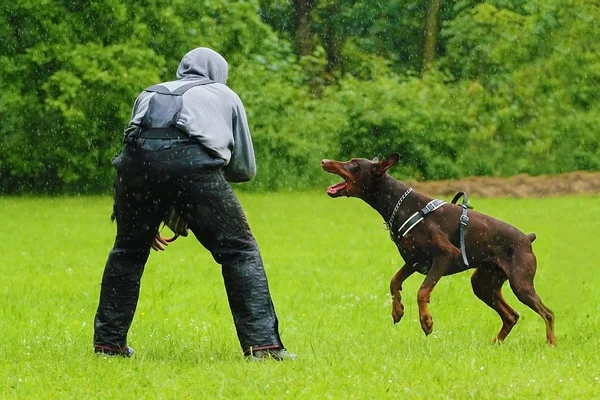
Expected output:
{"points": [[431, 34], [304, 35], [332, 40]]}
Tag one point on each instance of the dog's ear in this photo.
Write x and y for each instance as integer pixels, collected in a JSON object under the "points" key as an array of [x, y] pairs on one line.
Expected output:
{"points": [[376, 159], [389, 162]]}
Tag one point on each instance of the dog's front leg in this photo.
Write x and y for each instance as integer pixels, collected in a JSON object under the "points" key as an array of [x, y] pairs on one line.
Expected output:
{"points": [[395, 288], [439, 267]]}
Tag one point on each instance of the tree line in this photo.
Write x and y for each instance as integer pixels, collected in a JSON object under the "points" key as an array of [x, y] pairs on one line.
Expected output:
{"points": [[464, 87]]}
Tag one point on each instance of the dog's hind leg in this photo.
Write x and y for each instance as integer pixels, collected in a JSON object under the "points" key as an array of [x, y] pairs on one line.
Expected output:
{"points": [[487, 284], [395, 289], [520, 276]]}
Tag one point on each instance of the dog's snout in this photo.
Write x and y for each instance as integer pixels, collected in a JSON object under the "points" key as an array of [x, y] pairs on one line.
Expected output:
{"points": [[324, 161]]}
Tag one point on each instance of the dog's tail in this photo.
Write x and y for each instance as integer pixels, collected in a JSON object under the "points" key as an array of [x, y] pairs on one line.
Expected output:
{"points": [[531, 237]]}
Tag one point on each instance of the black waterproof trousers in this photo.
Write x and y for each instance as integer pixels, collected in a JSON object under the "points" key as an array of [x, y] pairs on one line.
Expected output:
{"points": [[183, 175]]}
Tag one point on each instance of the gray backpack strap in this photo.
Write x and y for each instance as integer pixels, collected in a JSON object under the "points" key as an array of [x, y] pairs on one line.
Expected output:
{"points": [[184, 88], [180, 90], [158, 89]]}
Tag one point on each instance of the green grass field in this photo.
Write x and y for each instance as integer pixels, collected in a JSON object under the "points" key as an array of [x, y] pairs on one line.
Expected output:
{"points": [[329, 263]]}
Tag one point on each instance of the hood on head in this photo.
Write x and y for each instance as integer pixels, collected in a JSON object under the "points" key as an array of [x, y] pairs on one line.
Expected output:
{"points": [[205, 62]]}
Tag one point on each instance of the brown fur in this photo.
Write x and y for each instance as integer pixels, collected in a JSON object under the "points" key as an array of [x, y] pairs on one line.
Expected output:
{"points": [[496, 250]]}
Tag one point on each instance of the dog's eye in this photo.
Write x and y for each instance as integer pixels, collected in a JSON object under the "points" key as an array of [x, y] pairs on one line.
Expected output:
{"points": [[353, 167]]}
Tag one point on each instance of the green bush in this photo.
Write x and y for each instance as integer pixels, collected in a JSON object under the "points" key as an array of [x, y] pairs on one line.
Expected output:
{"points": [[514, 91]]}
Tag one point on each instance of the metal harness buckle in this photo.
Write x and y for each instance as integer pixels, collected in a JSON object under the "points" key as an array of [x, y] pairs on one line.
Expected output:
{"points": [[464, 219]]}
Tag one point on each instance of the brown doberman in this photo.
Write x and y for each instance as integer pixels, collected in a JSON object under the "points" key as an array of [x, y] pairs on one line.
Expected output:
{"points": [[497, 250]]}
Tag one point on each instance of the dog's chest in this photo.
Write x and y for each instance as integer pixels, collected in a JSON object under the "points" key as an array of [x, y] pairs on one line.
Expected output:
{"points": [[412, 255]]}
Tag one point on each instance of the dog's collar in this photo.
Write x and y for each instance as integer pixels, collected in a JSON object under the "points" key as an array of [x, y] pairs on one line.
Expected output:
{"points": [[388, 225]]}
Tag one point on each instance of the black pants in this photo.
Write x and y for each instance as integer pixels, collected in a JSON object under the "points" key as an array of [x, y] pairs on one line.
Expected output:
{"points": [[182, 175]]}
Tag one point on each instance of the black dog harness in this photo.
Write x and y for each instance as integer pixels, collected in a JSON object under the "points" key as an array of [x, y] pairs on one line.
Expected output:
{"points": [[417, 217], [464, 219], [433, 205]]}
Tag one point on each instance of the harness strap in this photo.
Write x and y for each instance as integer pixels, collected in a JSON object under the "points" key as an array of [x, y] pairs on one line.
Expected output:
{"points": [[417, 217], [464, 219]]}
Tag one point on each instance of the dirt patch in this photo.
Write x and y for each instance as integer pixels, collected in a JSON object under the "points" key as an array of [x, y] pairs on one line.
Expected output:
{"points": [[517, 186]]}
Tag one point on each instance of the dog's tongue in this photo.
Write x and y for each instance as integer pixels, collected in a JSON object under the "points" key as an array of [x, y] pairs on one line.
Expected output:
{"points": [[333, 189]]}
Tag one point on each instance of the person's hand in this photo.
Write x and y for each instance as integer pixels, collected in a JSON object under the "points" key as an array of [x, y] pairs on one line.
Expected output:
{"points": [[160, 243]]}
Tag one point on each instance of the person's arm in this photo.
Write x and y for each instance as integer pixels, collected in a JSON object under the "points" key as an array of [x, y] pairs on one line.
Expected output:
{"points": [[242, 166], [132, 125]]}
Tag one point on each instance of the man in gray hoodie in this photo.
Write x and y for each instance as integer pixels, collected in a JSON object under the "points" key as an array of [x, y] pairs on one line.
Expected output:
{"points": [[186, 140]]}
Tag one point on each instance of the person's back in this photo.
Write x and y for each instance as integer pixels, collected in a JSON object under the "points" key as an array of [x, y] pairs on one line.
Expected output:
{"points": [[186, 138], [210, 113]]}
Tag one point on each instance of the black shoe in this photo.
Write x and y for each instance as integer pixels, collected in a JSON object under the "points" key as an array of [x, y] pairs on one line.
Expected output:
{"points": [[113, 351], [271, 354]]}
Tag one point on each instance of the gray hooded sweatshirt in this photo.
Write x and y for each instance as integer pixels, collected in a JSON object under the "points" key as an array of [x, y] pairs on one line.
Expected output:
{"points": [[212, 114]]}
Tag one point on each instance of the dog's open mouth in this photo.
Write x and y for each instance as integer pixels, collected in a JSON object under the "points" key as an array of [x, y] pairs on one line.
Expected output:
{"points": [[334, 190], [334, 167]]}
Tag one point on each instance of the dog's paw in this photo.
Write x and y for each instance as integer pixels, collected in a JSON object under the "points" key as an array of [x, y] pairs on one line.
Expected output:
{"points": [[427, 324], [397, 312], [397, 317]]}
